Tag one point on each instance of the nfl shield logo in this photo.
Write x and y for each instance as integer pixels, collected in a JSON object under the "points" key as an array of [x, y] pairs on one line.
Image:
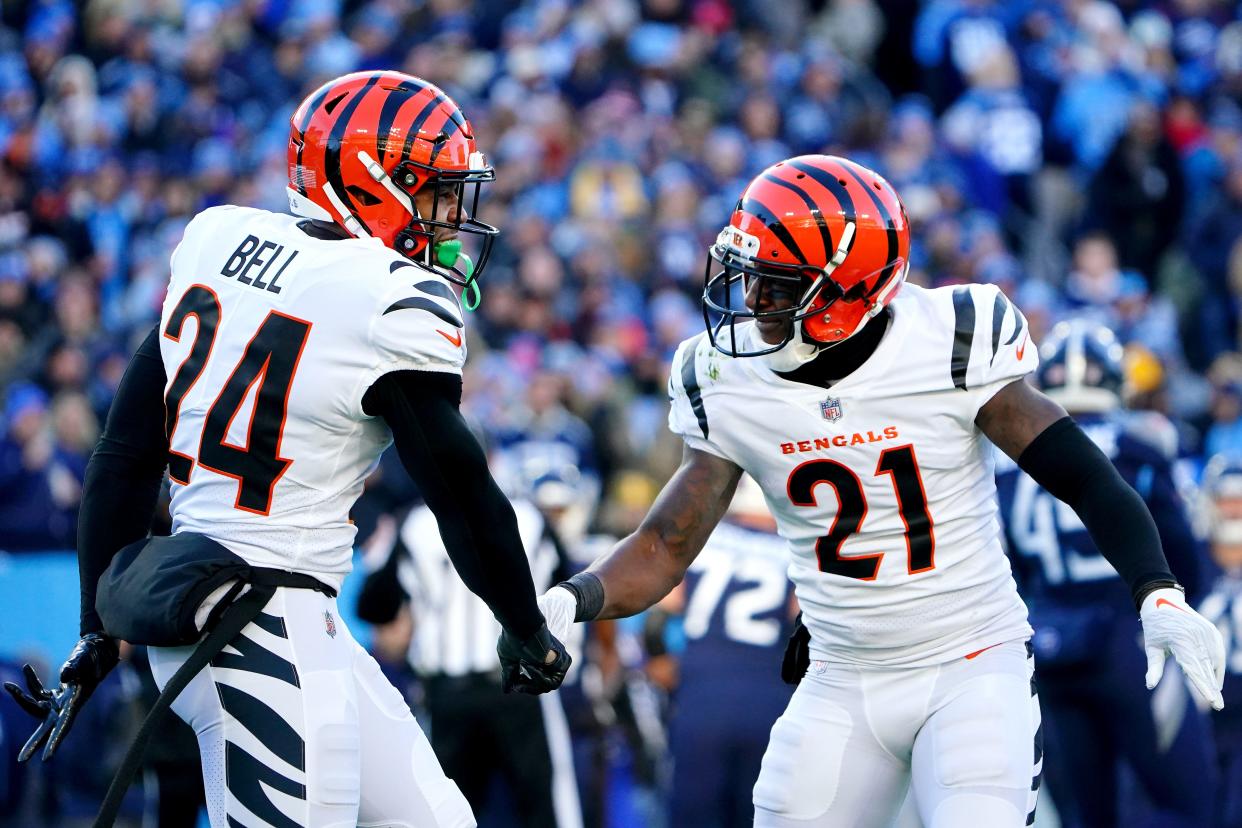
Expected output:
{"points": [[329, 625], [831, 409]]}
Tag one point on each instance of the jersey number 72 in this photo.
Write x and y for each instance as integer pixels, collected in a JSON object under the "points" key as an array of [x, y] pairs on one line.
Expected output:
{"points": [[270, 359]]}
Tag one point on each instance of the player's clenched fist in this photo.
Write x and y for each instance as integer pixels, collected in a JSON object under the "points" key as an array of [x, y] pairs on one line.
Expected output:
{"points": [[536, 665]]}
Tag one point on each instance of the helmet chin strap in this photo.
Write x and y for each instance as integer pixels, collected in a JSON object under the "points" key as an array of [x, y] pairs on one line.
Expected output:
{"points": [[798, 351], [801, 348], [446, 253]]}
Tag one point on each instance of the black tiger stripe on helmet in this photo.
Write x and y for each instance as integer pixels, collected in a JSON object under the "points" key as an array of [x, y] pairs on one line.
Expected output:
{"points": [[836, 225], [363, 146]]}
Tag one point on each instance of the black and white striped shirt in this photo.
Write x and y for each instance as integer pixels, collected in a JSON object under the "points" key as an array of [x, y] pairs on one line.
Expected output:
{"points": [[454, 631]]}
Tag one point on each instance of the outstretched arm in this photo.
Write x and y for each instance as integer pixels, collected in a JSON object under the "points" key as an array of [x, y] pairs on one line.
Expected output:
{"points": [[645, 566], [1053, 450], [476, 521]]}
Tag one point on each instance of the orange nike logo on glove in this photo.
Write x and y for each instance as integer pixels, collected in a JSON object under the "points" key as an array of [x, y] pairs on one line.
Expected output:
{"points": [[1160, 601], [1022, 347], [456, 337]]}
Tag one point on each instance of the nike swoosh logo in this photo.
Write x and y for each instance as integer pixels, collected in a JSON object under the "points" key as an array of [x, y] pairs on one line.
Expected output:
{"points": [[1166, 602], [456, 337], [1022, 347], [977, 653]]}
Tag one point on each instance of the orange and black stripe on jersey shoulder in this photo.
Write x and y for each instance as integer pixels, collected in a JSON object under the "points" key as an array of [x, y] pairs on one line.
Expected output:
{"points": [[963, 335], [430, 287], [1000, 311], [964, 323]]}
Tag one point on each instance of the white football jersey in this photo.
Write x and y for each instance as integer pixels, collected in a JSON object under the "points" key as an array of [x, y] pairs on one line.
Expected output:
{"points": [[271, 337], [882, 485]]}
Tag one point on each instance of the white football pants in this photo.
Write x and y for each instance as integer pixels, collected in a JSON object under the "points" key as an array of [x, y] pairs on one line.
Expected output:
{"points": [[852, 741], [298, 727]]}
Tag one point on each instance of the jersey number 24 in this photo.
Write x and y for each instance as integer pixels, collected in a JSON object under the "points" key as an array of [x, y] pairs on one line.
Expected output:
{"points": [[270, 359]]}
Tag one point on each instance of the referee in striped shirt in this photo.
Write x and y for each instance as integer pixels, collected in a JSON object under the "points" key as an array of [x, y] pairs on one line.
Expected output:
{"points": [[479, 733]]}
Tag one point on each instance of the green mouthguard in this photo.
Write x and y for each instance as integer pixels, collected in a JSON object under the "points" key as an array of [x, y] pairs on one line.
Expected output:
{"points": [[448, 254]]}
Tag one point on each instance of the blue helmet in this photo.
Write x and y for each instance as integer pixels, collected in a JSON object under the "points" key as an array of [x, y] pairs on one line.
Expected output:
{"points": [[1080, 367], [1222, 498]]}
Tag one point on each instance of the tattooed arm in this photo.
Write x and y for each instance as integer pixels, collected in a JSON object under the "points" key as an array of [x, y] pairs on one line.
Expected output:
{"points": [[642, 568]]}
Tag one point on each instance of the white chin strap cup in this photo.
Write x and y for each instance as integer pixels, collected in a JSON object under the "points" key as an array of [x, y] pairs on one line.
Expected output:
{"points": [[796, 352]]}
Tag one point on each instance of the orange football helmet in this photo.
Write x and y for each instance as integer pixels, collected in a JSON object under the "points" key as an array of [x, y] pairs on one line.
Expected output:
{"points": [[834, 231], [362, 145]]}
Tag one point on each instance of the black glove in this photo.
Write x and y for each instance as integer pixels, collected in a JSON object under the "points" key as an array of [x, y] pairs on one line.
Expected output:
{"points": [[797, 657], [525, 665], [93, 658]]}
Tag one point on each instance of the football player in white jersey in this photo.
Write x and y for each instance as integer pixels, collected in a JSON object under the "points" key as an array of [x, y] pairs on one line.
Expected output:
{"points": [[292, 350], [864, 408]]}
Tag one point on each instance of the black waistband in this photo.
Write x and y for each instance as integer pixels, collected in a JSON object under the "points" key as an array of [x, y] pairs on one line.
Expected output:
{"points": [[263, 576]]}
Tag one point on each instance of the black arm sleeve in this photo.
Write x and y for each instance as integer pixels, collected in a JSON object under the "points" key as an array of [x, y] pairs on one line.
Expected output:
{"points": [[1064, 461], [122, 482], [476, 521]]}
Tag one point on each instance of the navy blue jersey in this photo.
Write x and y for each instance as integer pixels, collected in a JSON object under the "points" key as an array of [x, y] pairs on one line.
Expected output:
{"points": [[1089, 661], [1054, 559], [737, 607], [1223, 607], [736, 621]]}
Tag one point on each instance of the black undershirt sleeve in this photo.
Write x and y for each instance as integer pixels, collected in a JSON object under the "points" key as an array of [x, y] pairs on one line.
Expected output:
{"points": [[476, 522], [1064, 461], [123, 476]]}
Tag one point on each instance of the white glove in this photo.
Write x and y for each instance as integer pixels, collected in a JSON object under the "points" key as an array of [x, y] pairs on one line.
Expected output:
{"points": [[559, 606], [1171, 625]]}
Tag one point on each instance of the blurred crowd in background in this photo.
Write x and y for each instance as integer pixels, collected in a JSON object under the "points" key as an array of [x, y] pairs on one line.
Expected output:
{"points": [[1084, 155]]}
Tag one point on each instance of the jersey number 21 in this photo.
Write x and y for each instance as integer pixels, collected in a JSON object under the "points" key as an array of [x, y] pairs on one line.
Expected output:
{"points": [[902, 466]]}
